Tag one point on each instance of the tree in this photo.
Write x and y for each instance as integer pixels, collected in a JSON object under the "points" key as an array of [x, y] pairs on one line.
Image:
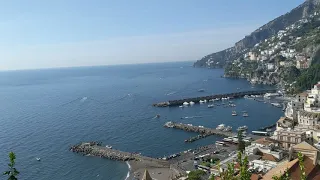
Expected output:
{"points": [[195, 175], [301, 164], [12, 172], [241, 145], [285, 177], [244, 164]]}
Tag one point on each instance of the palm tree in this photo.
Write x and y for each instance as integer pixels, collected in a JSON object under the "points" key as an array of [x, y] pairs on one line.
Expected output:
{"points": [[12, 172]]}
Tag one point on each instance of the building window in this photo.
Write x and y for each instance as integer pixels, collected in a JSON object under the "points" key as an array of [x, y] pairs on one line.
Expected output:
{"points": [[281, 138], [288, 145], [288, 138], [297, 140]]}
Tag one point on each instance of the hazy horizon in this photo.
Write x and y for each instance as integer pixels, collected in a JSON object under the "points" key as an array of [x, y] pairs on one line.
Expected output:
{"points": [[41, 35]]}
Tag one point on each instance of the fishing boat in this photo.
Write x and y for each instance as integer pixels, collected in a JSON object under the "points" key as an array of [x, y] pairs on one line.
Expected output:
{"points": [[242, 128], [108, 146], [38, 159], [210, 105], [245, 114], [234, 113], [220, 127], [228, 128]]}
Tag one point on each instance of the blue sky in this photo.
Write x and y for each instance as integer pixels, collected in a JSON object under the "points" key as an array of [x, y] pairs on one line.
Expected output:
{"points": [[62, 33]]}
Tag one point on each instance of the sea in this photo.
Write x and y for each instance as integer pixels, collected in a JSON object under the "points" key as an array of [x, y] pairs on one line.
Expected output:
{"points": [[44, 112]]}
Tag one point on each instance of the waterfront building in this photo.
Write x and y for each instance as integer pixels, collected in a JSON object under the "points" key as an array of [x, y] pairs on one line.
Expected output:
{"points": [[312, 103], [289, 137], [266, 148]]}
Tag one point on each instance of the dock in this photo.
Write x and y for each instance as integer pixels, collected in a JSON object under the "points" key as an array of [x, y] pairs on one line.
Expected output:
{"points": [[202, 130], [180, 102]]}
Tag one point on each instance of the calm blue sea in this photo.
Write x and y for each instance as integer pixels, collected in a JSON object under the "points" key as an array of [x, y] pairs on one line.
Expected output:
{"points": [[44, 112]]}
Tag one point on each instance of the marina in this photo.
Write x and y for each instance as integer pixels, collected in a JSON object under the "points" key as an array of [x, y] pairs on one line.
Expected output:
{"points": [[202, 130], [204, 99]]}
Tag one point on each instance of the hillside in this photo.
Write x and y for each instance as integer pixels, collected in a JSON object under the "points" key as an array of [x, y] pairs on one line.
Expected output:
{"points": [[221, 58]]}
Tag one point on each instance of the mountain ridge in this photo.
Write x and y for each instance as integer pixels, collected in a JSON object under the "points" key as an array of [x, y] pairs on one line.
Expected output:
{"points": [[219, 59]]}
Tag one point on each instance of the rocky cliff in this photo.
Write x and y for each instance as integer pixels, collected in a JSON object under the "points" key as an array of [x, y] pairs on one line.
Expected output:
{"points": [[219, 59]]}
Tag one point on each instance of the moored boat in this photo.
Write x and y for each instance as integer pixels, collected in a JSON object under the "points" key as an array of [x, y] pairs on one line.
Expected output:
{"points": [[108, 146], [245, 114], [234, 113], [242, 128], [220, 127]]}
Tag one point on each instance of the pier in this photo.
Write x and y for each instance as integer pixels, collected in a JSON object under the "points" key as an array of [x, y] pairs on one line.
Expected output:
{"points": [[211, 97], [202, 130]]}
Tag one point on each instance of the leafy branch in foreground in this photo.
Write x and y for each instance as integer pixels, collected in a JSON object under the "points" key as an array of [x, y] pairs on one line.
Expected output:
{"points": [[12, 172]]}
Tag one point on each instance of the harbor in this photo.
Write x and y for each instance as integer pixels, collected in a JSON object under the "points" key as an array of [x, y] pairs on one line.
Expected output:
{"points": [[201, 99], [204, 131]]}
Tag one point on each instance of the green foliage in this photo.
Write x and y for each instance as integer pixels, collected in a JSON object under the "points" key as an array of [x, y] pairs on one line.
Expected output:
{"points": [[195, 175], [212, 177], [241, 144], [308, 78], [290, 74], [301, 164], [244, 164], [12, 172], [208, 164]]}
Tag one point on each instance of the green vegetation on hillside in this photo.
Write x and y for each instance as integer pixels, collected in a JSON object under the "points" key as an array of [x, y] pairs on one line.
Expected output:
{"points": [[308, 78]]}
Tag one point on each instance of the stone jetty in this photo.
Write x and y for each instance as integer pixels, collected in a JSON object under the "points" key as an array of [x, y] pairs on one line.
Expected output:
{"points": [[202, 130], [211, 97]]}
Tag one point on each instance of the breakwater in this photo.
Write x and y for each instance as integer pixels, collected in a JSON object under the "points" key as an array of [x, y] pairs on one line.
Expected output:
{"points": [[202, 130], [211, 97], [95, 149]]}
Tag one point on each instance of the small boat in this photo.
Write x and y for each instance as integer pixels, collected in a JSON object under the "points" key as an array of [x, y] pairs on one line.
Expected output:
{"points": [[108, 146], [38, 159], [191, 103], [268, 130], [242, 128], [232, 105], [217, 99], [180, 106], [220, 127], [185, 103], [201, 90], [210, 105], [276, 105], [228, 128], [234, 113], [201, 101], [245, 114]]}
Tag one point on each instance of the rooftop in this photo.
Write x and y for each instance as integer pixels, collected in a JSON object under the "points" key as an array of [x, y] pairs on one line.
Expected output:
{"points": [[305, 145], [264, 141]]}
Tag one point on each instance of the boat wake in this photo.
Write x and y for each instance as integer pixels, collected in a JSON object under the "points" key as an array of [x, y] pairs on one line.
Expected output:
{"points": [[191, 117], [129, 169], [171, 93]]}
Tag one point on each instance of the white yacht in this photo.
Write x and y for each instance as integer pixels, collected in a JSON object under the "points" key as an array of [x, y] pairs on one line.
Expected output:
{"points": [[108, 146], [191, 103], [220, 127], [185, 103], [242, 128], [234, 113]]}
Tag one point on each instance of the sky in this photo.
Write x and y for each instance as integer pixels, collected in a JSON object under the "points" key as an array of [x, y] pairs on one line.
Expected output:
{"points": [[64, 33]]}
